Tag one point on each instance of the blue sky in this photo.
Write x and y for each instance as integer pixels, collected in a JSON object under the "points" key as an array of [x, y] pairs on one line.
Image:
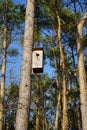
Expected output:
{"points": [[20, 1], [14, 63]]}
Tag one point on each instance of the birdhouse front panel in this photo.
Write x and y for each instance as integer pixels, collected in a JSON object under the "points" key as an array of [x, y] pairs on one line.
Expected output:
{"points": [[37, 60]]}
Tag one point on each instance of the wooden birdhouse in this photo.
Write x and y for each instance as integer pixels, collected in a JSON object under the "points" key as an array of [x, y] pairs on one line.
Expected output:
{"points": [[37, 60]]}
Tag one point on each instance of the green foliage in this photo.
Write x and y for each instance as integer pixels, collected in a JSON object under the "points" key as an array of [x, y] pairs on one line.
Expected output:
{"points": [[15, 14], [16, 18], [11, 100], [12, 52], [84, 42], [12, 90], [42, 94]]}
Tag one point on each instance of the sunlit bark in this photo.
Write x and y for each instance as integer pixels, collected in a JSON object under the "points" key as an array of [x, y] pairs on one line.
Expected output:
{"points": [[82, 74], [3, 69], [63, 79], [58, 97], [22, 116]]}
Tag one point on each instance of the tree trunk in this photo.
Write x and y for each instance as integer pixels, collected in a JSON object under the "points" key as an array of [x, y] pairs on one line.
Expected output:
{"points": [[57, 113], [38, 103], [37, 117], [2, 89], [82, 74], [58, 97], [65, 107], [63, 79], [22, 116], [3, 69]]}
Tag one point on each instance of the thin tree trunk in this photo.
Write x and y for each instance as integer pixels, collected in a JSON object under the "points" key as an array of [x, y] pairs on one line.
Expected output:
{"points": [[65, 107], [82, 74], [22, 116], [2, 90], [37, 118], [58, 97], [57, 113], [63, 79], [37, 103], [3, 69], [44, 122]]}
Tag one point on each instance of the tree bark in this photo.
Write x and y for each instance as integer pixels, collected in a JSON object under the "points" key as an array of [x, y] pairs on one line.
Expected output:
{"points": [[58, 97], [38, 103], [22, 116], [82, 74], [63, 78], [57, 112], [3, 68], [2, 89]]}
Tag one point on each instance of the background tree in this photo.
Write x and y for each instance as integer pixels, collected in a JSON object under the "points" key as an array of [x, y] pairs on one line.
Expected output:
{"points": [[6, 22], [2, 89], [82, 73]]}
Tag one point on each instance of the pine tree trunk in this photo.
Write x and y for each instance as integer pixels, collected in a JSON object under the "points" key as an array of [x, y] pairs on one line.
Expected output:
{"points": [[2, 89], [44, 122], [63, 79], [65, 107], [82, 74], [3, 69], [37, 103], [37, 119], [57, 113], [58, 97], [22, 116]]}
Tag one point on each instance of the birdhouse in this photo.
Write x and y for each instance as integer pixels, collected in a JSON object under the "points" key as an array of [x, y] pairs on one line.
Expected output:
{"points": [[37, 60]]}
